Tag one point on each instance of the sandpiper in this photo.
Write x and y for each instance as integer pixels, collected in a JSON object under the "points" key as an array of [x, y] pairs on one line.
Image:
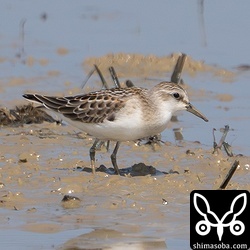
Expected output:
{"points": [[120, 114]]}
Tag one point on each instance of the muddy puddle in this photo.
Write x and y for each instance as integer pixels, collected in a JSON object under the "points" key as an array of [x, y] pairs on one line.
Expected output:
{"points": [[40, 164], [49, 194], [50, 200]]}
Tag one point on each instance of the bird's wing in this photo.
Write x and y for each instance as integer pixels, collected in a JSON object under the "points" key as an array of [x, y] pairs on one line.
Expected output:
{"points": [[94, 107]]}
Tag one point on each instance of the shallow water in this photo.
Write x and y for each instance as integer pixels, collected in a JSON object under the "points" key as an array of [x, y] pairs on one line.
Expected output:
{"points": [[50, 54]]}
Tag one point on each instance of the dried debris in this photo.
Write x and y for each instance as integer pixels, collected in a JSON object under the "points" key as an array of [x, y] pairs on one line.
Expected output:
{"points": [[222, 142], [25, 114]]}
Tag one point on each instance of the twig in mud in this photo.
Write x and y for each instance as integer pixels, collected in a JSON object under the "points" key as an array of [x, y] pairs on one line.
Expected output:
{"points": [[222, 142], [201, 21], [87, 78], [224, 135], [176, 75], [229, 175], [101, 77], [114, 77], [21, 52], [199, 179], [228, 149], [214, 143]]}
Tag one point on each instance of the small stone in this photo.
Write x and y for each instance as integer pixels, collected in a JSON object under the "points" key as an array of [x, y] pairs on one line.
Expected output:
{"points": [[31, 210], [70, 198], [69, 201], [23, 158], [189, 152], [164, 201]]}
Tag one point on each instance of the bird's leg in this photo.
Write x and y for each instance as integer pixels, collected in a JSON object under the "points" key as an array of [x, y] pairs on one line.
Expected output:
{"points": [[113, 157], [100, 143], [92, 155]]}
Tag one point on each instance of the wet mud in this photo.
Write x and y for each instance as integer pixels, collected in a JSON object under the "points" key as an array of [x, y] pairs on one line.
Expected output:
{"points": [[46, 185]]}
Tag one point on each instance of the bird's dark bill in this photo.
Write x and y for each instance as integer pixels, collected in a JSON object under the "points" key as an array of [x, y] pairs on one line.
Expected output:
{"points": [[193, 110]]}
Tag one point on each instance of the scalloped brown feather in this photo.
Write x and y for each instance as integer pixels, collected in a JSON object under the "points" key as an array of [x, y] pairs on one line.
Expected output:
{"points": [[93, 107]]}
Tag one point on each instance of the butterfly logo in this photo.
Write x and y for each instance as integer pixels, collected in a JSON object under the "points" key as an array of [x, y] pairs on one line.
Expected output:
{"points": [[203, 227]]}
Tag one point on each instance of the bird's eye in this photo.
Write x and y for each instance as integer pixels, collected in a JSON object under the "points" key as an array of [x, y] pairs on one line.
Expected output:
{"points": [[176, 95]]}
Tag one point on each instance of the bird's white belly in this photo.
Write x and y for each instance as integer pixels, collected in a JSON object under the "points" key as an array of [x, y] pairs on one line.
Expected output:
{"points": [[119, 130]]}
